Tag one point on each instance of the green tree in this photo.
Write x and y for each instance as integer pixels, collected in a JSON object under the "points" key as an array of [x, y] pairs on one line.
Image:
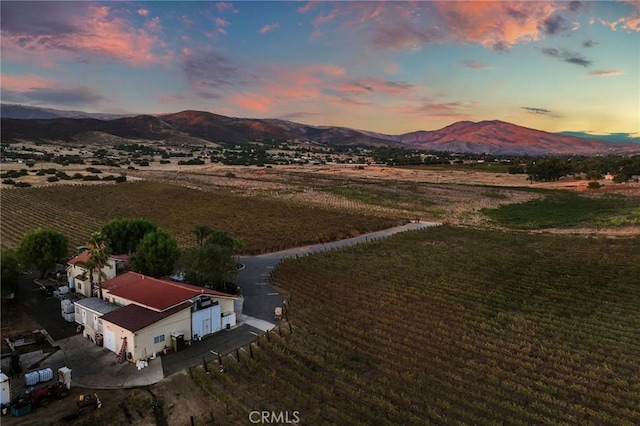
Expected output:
{"points": [[98, 258], [201, 233], [156, 255], [42, 248], [124, 235], [10, 270], [211, 264]]}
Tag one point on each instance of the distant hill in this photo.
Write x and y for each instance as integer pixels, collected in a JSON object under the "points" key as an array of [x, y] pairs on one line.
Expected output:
{"points": [[499, 137], [29, 112], [612, 137], [491, 137]]}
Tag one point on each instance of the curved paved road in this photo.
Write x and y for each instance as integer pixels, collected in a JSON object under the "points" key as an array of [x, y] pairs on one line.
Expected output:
{"points": [[260, 299]]}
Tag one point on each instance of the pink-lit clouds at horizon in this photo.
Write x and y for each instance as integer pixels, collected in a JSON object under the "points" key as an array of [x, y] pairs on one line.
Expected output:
{"points": [[390, 67]]}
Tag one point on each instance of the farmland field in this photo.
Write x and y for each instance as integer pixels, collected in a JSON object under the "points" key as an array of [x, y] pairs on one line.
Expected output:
{"points": [[568, 209], [450, 326], [264, 224]]}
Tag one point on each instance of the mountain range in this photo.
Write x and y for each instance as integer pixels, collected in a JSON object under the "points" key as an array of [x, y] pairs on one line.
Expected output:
{"points": [[490, 137]]}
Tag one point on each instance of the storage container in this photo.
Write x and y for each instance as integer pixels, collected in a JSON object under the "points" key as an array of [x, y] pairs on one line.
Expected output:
{"points": [[67, 306], [45, 374], [32, 378], [70, 317]]}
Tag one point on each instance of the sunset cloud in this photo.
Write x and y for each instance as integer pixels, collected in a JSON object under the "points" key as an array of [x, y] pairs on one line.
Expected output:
{"points": [[574, 58], [605, 73], [36, 90], [268, 28], [252, 102], [475, 65], [538, 111], [85, 33], [498, 24]]}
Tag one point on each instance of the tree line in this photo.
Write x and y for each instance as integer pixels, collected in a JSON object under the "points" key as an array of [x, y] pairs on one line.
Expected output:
{"points": [[152, 250]]}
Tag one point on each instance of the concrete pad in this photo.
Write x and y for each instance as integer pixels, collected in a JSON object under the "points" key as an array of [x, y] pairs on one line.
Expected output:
{"points": [[257, 323]]}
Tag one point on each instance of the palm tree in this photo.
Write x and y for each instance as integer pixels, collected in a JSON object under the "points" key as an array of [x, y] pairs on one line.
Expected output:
{"points": [[201, 232], [98, 251]]}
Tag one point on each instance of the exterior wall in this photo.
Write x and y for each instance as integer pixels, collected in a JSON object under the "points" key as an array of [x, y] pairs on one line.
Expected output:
{"points": [[90, 320], [141, 344], [229, 319], [144, 344], [118, 334], [114, 300], [205, 321], [226, 305], [82, 286]]}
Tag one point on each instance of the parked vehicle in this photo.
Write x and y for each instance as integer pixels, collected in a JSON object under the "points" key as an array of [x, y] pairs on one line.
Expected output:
{"points": [[89, 401], [47, 290], [31, 400]]}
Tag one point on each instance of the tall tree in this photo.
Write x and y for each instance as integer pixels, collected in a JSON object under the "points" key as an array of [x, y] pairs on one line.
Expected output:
{"points": [[98, 258], [10, 270], [201, 233], [210, 264], [124, 235], [42, 248], [156, 254]]}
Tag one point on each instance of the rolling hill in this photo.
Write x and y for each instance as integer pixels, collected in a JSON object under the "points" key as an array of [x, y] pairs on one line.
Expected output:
{"points": [[490, 137]]}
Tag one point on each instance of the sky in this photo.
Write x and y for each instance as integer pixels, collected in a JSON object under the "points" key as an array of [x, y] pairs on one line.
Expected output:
{"points": [[384, 66]]}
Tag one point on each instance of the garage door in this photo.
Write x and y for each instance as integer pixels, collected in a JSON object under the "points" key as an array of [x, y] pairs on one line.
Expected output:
{"points": [[110, 340]]}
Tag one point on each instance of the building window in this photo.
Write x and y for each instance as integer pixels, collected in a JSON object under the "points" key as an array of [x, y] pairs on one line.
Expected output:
{"points": [[79, 285], [78, 311], [158, 339]]}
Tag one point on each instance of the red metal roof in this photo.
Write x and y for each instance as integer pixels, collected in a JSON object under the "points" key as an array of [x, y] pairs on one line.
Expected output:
{"points": [[84, 258], [153, 293]]}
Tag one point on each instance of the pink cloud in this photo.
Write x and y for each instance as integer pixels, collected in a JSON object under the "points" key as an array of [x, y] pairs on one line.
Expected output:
{"points": [[25, 82], [221, 22], [269, 27], [307, 7], [495, 24], [143, 12], [252, 101], [224, 6], [605, 73], [94, 34], [372, 85]]}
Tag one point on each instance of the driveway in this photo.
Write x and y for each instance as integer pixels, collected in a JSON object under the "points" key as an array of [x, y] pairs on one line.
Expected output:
{"points": [[260, 299]]}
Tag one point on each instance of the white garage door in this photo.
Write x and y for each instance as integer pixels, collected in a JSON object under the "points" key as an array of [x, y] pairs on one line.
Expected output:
{"points": [[110, 340]]}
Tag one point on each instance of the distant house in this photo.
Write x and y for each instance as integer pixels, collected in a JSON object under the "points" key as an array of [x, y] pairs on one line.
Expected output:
{"points": [[154, 314], [78, 274]]}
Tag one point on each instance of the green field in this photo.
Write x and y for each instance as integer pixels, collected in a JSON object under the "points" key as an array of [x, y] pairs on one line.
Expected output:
{"points": [[568, 210], [264, 224], [450, 326]]}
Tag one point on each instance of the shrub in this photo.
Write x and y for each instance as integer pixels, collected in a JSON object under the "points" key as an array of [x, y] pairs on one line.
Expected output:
{"points": [[109, 177], [22, 185], [77, 176], [594, 184], [8, 181], [121, 179], [53, 179], [91, 178]]}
